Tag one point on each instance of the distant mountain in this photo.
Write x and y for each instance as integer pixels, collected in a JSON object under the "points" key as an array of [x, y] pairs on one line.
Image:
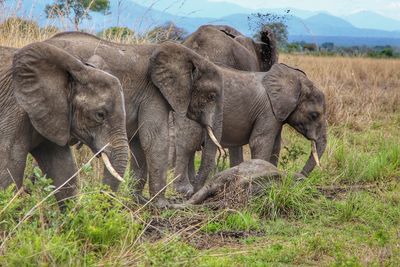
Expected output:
{"points": [[328, 25], [309, 26], [193, 8], [213, 9], [372, 20]]}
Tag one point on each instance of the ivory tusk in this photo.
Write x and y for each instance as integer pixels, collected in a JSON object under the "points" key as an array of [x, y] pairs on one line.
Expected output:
{"points": [[110, 168], [314, 153], [213, 138]]}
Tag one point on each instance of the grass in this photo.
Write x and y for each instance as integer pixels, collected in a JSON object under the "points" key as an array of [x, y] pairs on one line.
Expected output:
{"points": [[345, 214]]}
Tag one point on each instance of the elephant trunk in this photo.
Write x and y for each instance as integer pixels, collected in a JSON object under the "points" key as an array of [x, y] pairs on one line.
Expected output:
{"points": [[318, 148], [211, 145]]}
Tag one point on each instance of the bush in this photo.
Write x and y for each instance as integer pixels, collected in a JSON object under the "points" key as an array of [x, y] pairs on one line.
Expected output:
{"points": [[117, 33]]}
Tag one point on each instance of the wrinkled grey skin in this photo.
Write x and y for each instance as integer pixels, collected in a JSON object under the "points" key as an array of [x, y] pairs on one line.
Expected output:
{"points": [[257, 105], [225, 46], [49, 99], [156, 79]]}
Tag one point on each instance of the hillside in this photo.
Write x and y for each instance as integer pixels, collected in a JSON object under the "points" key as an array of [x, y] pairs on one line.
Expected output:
{"points": [[191, 14]]}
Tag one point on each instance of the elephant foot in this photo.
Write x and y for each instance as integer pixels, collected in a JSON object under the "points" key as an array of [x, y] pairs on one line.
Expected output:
{"points": [[185, 189]]}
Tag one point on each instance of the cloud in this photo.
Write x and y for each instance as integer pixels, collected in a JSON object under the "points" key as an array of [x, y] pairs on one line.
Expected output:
{"points": [[394, 5]]}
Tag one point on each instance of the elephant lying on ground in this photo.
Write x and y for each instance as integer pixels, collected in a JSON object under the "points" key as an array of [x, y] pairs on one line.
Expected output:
{"points": [[237, 185], [256, 106], [228, 47], [48, 99], [156, 79]]}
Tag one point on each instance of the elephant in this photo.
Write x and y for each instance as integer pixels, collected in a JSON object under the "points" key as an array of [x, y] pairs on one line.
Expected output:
{"points": [[226, 46], [256, 106], [49, 100], [156, 79]]}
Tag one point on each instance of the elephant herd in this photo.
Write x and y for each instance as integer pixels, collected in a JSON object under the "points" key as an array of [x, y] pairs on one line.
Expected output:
{"points": [[223, 90]]}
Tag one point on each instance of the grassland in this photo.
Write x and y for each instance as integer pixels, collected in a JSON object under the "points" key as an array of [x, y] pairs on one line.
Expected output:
{"points": [[345, 214]]}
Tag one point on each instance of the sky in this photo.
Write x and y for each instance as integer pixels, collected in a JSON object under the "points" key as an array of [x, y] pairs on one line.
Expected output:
{"points": [[389, 8]]}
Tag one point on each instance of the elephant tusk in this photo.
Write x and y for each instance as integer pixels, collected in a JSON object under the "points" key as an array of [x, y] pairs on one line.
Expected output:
{"points": [[213, 138], [110, 168], [314, 153]]}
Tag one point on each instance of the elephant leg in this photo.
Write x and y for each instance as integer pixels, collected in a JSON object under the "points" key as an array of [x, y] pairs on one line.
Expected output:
{"points": [[139, 169], [156, 154], [172, 145], [153, 135], [276, 149], [235, 156], [57, 162], [14, 147], [12, 167], [182, 183], [262, 140], [188, 136], [207, 165]]}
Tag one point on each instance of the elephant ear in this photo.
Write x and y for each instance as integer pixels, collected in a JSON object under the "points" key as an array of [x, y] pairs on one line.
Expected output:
{"points": [[283, 88], [173, 71], [42, 77]]}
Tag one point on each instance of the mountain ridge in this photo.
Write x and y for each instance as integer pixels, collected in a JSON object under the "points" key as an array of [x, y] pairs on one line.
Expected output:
{"points": [[141, 18]]}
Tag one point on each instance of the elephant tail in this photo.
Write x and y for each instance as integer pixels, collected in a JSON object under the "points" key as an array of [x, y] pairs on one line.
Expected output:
{"points": [[269, 50]]}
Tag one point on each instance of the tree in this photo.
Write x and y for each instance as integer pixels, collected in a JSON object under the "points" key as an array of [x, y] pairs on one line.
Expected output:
{"points": [[167, 31], [76, 10], [328, 46]]}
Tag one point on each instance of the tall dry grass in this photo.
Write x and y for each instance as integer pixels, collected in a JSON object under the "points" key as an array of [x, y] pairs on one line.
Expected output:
{"points": [[358, 90]]}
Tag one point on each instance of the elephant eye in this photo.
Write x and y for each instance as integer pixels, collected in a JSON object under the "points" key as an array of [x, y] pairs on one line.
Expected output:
{"points": [[211, 96], [314, 115], [100, 115]]}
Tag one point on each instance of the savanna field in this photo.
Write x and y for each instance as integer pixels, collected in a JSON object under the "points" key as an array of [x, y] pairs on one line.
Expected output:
{"points": [[347, 213]]}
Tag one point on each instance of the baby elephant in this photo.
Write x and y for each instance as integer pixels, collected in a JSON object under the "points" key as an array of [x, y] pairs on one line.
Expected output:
{"points": [[256, 105]]}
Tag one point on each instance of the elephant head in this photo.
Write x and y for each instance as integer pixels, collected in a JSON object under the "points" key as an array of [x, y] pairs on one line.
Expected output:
{"points": [[68, 100], [295, 100], [191, 84]]}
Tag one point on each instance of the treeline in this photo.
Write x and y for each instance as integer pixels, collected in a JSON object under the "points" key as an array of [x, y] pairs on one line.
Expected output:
{"points": [[166, 31], [330, 49]]}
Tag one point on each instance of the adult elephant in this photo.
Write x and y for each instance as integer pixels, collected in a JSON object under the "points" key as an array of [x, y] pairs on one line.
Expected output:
{"points": [[156, 79], [256, 106], [48, 99], [225, 46]]}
